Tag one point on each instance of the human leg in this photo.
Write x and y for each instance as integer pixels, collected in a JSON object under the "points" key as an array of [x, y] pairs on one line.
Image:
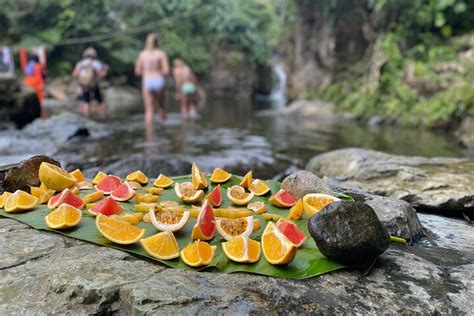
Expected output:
{"points": [[148, 104]]}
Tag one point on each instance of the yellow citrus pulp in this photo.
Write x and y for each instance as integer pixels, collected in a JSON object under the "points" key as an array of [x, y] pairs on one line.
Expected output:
{"points": [[259, 187], [220, 176], [198, 254], [163, 181], [54, 177], [162, 246], [118, 231], [258, 207], [277, 249], [42, 194], [314, 202], [78, 175], [92, 197], [65, 216], [99, 177], [138, 176], [132, 218], [4, 197], [242, 249], [247, 180], [146, 198], [154, 191], [20, 201], [198, 177], [297, 210]]}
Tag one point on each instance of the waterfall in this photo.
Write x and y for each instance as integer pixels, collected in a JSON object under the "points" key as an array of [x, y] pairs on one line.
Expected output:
{"points": [[277, 95]]}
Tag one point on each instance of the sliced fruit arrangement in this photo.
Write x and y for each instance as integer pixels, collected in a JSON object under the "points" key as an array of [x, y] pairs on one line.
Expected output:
{"points": [[198, 177], [4, 197], [168, 219], [282, 199], [68, 197], [65, 216], [258, 207], [277, 248], [215, 197], [230, 228], [314, 202], [108, 184], [78, 175], [118, 231], [107, 206], [205, 226], [162, 246], [238, 196], [163, 181], [43, 194], [198, 253], [55, 177], [291, 231], [123, 192], [297, 210], [137, 176], [247, 180], [99, 177], [259, 187], [242, 249], [20, 201], [220, 176], [187, 193]]}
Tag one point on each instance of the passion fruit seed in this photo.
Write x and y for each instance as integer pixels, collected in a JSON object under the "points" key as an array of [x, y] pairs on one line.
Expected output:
{"points": [[234, 226]]}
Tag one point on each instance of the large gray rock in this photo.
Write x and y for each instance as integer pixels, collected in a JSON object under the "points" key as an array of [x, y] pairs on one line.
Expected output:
{"points": [[465, 132], [303, 182], [122, 100], [45, 273], [430, 183]]}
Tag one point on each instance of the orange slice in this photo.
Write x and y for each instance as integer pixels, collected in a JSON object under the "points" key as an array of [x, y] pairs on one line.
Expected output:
{"points": [[154, 191], [247, 180], [277, 249], [146, 198], [118, 231], [163, 181], [54, 177], [242, 249], [20, 201], [238, 196], [92, 197], [138, 176], [5, 195], [162, 246], [78, 175], [314, 202], [65, 216], [257, 207], [259, 187], [43, 195], [187, 193], [220, 176], [198, 254], [297, 210], [99, 177], [198, 177]]}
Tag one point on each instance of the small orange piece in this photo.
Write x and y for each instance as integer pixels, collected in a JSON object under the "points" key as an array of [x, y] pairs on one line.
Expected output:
{"points": [[277, 249], [65, 216], [238, 196], [247, 180], [54, 177], [242, 249], [92, 197], [146, 198], [118, 231], [163, 181], [154, 191], [162, 246], [20, 201], [43, 195], [138, 176], [5, 195], [297, 210], [198, 177], [220, 176], [198, 254], [314, 202], [99, 177], [258, 207], [78, 175], [259, 187]]}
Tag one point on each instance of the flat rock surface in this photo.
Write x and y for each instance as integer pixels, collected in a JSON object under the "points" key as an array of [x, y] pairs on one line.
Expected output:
{"points": [[445, 184], [45, 273]]}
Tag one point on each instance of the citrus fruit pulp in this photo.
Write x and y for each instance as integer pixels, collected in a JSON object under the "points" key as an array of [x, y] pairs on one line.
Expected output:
{"points": [[291, 231], [20, 201], [54, 177], [78, 175], [230, 228], [137, 176], [92, 197], [146, 198], [154, 191], [142, 207], [187, 193], [74, 190], [246, 180], [66, 196], [277, 249], [220, 176], [107, 207], [242, 249], [123, 192], [99, 177], [297, 210], [108, 184], [133, 219], [4, 197], [282, 199], [163, 181], [215, 197], [257, 207], [65, 216], [162, 246], [259, 187], [118, 231], [84, 185], [205, 226], [168, 220], [314, 202], [42, 194], [198, 177], [198, 253], [238, 196]]}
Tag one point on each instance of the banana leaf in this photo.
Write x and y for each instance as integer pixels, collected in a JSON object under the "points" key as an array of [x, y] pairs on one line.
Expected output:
{"points": [[309, 262]]}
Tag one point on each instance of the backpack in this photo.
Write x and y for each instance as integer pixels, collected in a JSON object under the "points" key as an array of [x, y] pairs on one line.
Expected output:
{"points": [[87, 76]]}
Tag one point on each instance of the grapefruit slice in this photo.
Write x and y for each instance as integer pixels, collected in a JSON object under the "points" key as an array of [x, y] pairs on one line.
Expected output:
{"points": [[198, 177], [297, 210], [118, 231], [108, 184], [92, 197], [314, 202], [242, 249], [291, 231], [99, 177], [66, 196], [198, 253], [54, 177], [257, 207], [215, 197], [220, 176], [123, 192], [205, 226], [137, 176], [167, 219], [65, 216], [282, 199], [20, 201], [162, 246], [277, 249], [187, 193], [259, 187], [238, 196], [247, 180], [78, 175], [163, 181], [107, 206], [230, 228], [3, 198]]}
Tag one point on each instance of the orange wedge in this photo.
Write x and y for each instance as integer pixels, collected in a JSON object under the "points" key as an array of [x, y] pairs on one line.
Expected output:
{"points": [[198, 177], [247, 180], [259, 187], [78, 175], [163, 181], [65, 216], [314, 202], [43, 195], [54, 177], [138, 176], [297, 210], [258, 207], [220, 176], [198, 254], [162, 246], [92, 197], [118, 231], [20, 201], [277, 249], [5, 195], [238, 196], [99, 177], [242, 249]]}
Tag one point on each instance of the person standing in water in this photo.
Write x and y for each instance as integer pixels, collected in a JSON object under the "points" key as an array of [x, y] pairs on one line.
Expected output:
{"points": [[186, 88], [152, 64]]}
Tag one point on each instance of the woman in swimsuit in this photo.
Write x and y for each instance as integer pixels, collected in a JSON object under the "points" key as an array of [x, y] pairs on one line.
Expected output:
{"points": [[186, 88], [152, 64]]}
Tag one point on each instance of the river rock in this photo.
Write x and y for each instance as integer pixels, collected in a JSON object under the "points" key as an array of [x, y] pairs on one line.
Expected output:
{"points": [[349, 232], [315, 110], [25, 174], [123, 100], [303, 182], [442, 184], [465, 132]]}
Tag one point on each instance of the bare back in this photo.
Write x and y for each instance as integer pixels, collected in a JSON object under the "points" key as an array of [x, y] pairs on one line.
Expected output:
{"points": [[152, 63]]}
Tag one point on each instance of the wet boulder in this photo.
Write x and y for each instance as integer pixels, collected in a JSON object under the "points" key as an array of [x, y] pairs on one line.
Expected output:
{"points": [[303, 182], [349, 232]]}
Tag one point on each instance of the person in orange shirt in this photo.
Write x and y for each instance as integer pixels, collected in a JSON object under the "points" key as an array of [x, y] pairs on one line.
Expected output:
{"points": [[34, 76]]}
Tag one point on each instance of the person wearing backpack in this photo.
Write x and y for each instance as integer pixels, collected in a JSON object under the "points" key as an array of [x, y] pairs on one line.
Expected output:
{"points": [[89, 71]]}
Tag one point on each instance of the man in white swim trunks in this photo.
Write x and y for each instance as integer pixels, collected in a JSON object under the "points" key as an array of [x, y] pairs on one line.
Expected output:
{"points": [[152, 64]]}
